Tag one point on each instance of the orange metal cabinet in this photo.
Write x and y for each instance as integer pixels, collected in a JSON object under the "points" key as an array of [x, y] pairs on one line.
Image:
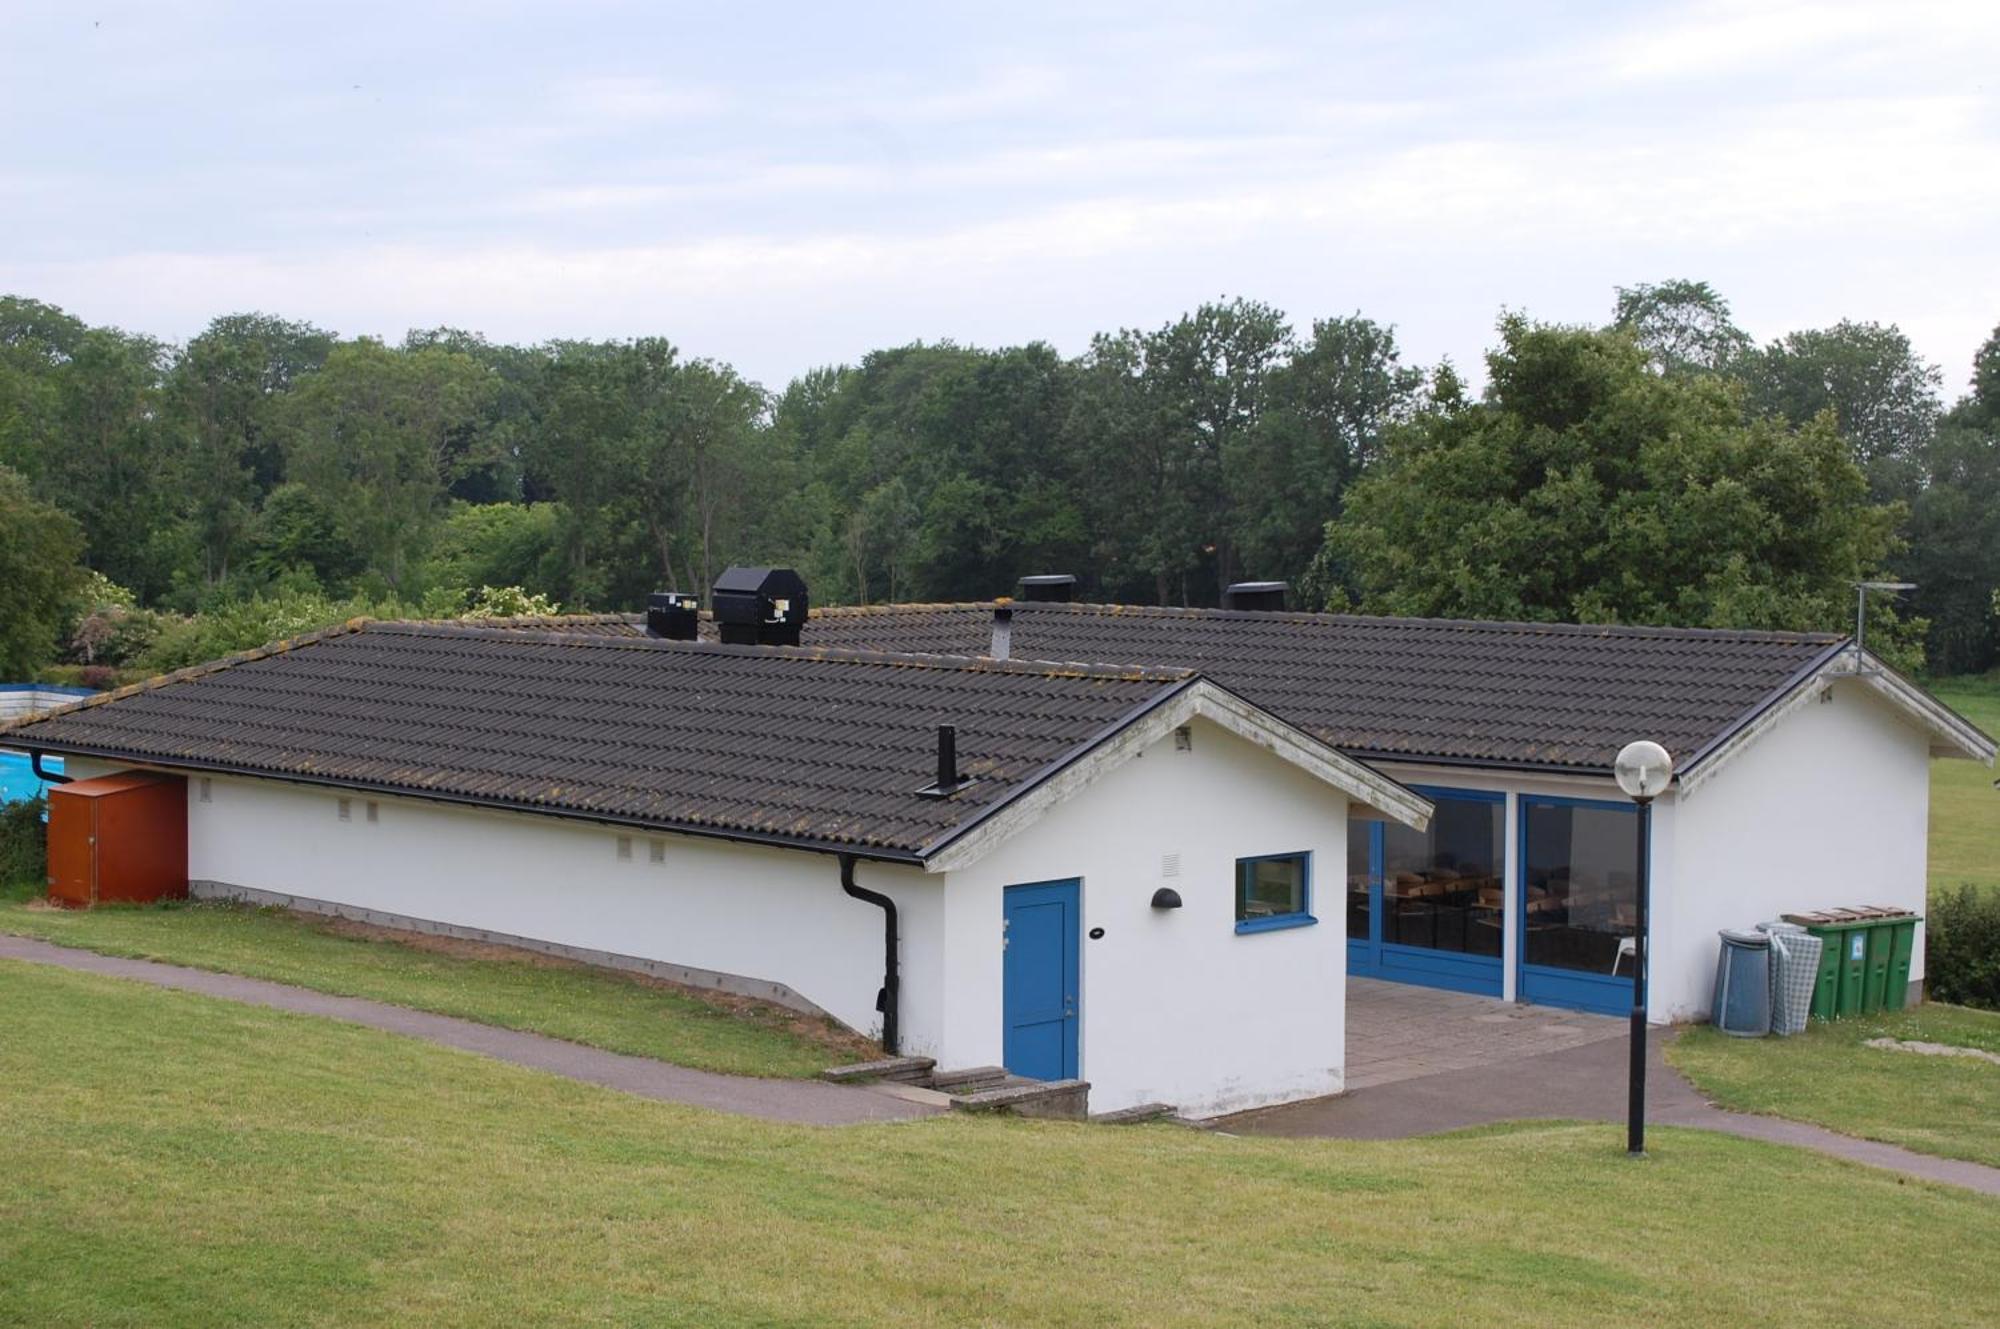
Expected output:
{"points": [[118, 837]]}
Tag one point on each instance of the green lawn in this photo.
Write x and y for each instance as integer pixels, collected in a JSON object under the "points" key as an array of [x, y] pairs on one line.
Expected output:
{"points": [[174, 1160], [1965, 808], [1940, 1105], [515, 989]]}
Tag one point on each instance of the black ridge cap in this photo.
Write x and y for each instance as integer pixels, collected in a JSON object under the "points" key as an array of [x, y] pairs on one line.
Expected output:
{"points": [[1267, 616], [976, 664]]}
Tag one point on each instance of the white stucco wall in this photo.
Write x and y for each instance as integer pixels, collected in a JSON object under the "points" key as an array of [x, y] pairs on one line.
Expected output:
{"points": [[738, 909], [1176, 1006], [1830, 807]]}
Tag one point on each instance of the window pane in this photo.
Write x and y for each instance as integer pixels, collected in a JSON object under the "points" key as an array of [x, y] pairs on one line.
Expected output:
{"points": [[1359, 836], [1442, 888], [1582, 887], [1268, 887]]}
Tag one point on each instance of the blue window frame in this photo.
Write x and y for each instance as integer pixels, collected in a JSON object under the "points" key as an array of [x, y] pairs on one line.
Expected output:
{"points": [[1274, 891], [1428, 907], [1578, 902]]}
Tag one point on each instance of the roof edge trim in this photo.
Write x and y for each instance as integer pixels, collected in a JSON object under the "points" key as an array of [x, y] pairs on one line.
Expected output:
{"points": [[1952, 735], [1198, 697], [860, 849]]}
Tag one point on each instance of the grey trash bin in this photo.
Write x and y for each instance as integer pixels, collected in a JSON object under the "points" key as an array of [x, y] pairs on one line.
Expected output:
{"points": [[1743, 984], [1794, 970]]}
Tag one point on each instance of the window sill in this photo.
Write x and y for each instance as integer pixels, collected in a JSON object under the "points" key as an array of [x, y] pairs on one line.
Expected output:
{"points": [[1276, 923]]}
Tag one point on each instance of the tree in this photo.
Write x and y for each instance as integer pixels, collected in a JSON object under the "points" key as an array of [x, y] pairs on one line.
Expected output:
{"points": [[1883, 396], [1586, 487], [1325, 414], [379, 433], [40, 552], [105, 462], [1208, 375], [224, 388], [1684, 327], [1954, 529]]}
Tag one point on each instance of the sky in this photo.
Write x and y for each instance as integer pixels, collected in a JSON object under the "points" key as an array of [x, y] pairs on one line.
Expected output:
{"points": [[789, 186]]}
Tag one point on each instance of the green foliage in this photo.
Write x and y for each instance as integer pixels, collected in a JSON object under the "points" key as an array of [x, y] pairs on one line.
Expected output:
{"points": [[1585, 487], [1962, 947], [267, 460], [39, 549], [1684, 327], [104, 627], [233, 626], [509, 602], [381, 435], [496, 544], [1883, 396], [24, 848]]}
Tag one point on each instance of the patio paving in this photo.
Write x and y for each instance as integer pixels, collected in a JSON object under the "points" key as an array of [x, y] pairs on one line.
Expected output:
{"points": [[1399, 1032], [1443, 1061]]}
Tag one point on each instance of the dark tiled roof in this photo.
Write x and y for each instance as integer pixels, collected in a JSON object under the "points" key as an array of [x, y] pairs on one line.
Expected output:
{"points": [[809, 747], [1503, 694]]}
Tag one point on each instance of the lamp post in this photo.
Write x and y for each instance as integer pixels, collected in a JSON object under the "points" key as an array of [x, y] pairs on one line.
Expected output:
{"points": [[1642, 771]]}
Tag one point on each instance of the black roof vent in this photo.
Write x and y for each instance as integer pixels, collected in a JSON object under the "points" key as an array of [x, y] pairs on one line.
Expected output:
{"points": [[948, 781], [1260, 595], [760, 606], [1055, 588], [674, 615]]}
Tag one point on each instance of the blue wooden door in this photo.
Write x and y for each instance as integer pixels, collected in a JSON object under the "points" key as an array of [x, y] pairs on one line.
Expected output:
{"points": [[1039, 994]]}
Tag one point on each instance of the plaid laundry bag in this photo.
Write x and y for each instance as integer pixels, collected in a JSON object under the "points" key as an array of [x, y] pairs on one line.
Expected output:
{"points": [[1794, 969]]}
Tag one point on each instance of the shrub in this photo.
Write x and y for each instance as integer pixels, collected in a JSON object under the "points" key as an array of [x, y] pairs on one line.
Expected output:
{"points": [[509, 602], [1962, 962], [24, 840]]}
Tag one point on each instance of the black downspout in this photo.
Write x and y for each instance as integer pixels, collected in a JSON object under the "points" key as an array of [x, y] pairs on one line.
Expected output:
{"points": [[886, 999], [46, 777]]}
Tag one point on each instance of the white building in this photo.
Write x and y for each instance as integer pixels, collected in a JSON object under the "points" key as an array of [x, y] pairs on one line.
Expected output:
{"points": [[704, 807], [1158, 870]]}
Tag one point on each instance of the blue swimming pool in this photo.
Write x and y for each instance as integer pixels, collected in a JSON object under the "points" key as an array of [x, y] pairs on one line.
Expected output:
{"points": [[17, 777]]}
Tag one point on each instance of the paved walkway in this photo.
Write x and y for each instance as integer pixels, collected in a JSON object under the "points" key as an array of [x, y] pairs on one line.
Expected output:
{"points": [[804, 1101], [1586, 1081]]}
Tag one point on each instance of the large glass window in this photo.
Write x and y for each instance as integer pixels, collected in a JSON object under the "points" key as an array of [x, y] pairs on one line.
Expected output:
{"points": [[1444, 888], [1581, 876], [1360, 875], [1271, 892]]}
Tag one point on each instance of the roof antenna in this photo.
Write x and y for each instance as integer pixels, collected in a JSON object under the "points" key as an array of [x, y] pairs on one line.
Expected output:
{"points": [[1861, 589]]}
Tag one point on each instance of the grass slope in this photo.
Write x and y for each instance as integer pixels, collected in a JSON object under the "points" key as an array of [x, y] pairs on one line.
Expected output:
{"points": [[493, 985], [1965, 808], [1948, 1106], [173, 1160]]}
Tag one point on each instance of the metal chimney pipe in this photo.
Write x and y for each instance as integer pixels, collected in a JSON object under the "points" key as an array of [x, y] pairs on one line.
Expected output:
{"points": [[1003, 631], [947, 770]]}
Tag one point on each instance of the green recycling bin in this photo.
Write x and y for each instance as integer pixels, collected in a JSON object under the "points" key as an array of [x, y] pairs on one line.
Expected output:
{"points": [[1826, 985], [1902, 945], [1852, 983], [1864, 962]]}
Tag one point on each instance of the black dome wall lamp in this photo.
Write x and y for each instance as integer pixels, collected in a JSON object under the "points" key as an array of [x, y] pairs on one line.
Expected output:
{"points": [[1166, 898]]}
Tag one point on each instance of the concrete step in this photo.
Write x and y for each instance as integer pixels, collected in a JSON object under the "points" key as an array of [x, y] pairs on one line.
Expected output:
{"points": [[974, 1079], [1065, 1100], [1133, 1116], [903, 1070]]}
